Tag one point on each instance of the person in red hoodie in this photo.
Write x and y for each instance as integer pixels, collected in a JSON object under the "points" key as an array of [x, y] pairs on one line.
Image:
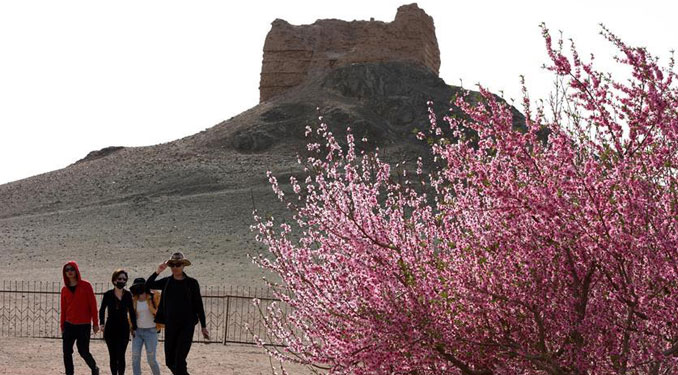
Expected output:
{"points": [[78, 310]]}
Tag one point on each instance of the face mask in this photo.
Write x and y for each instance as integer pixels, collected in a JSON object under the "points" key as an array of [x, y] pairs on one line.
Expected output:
{"points": [[120, 284]]}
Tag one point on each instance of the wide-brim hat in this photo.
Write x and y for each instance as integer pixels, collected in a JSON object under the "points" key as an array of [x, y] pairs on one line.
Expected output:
{"points": [[178, 257], [139, 285]]}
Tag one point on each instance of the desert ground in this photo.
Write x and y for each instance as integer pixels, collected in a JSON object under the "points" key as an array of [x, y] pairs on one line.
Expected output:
{"points": [[27, 356], [212, 229]]}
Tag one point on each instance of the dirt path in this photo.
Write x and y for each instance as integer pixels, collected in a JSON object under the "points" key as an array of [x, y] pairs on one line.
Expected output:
{"points": [[24, 356]]}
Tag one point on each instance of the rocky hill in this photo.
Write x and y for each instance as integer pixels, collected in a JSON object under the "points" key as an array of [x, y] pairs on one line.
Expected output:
{"points": [[130, 207]]}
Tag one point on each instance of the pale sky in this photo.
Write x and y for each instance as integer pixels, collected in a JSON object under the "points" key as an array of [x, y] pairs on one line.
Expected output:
{"points": [[77, 76]]}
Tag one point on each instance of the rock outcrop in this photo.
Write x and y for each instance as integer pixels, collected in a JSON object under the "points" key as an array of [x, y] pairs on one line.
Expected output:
{"points": [[100, 153], [292, 54]]}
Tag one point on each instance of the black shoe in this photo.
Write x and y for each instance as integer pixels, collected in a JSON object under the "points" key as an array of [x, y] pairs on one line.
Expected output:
{"points": [[95, 371]]}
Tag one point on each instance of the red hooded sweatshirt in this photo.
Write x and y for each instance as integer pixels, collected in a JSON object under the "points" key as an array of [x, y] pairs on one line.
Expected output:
{"points": [[79, 307]]}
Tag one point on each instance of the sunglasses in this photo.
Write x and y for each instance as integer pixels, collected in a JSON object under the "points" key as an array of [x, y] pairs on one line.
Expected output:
{"points": [[69, 269], [173, 264]]}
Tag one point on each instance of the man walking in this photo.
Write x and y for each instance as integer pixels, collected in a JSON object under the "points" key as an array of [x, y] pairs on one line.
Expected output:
{"points": [[180, 310], [78, 311]]}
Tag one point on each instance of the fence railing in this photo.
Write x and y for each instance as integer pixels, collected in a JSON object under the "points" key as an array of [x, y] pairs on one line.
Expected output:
{"points": [[31, 309]]}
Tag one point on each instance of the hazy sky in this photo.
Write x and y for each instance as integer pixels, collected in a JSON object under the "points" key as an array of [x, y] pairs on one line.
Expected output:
{"points": [[77, 76]]}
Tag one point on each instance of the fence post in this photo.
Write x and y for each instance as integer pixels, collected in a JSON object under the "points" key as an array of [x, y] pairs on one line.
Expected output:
{"points": [[228, 310]]}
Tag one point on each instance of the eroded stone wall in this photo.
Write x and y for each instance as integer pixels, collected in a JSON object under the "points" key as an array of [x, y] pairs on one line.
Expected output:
{"points": [[294, 53]]}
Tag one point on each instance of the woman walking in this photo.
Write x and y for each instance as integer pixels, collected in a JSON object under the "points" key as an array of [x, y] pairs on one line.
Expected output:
{"points": [[78, 312], [118, 302], [145, 305]]}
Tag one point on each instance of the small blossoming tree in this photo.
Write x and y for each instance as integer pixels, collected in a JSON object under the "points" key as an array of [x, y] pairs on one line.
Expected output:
{"points": [[514, 255]]}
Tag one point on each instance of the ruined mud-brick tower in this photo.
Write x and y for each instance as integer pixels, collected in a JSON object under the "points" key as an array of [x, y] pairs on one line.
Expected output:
{"points": [[292, 54]]}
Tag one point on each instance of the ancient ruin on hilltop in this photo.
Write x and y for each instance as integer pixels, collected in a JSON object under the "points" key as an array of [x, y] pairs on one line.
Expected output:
{"points": [[294, 53]]}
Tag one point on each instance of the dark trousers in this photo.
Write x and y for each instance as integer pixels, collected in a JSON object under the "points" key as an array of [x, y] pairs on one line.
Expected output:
{"points": [[117, 339], [77, 333], [178, 340]]}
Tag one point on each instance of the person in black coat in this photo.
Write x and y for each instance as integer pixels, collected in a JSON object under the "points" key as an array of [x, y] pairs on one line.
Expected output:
{"points": [[118, 302], [180, 310]]}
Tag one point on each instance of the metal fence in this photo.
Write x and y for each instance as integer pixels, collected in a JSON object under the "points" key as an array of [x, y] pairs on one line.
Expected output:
{"points": [[31, 309]]}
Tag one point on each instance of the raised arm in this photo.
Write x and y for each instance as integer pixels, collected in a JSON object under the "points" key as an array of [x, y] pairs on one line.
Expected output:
{"points": [[152, 283]]}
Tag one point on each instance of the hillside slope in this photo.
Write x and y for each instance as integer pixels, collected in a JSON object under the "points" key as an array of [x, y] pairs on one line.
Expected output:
{"points": [[130, 207]]}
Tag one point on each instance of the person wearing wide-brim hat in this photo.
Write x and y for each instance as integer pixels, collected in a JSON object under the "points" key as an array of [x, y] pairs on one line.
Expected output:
{"points": [[145, 305], [180, 309]]}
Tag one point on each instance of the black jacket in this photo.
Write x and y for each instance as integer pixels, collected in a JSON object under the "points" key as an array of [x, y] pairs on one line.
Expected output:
{"points": [[118, 310], [180, 301]]}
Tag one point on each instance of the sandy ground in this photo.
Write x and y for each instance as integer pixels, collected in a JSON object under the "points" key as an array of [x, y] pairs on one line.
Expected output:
{"points": [[25, 356], [212, 229]]}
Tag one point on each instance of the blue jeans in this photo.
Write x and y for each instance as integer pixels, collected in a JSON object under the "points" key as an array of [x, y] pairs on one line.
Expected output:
{"points": [[149, 337]]}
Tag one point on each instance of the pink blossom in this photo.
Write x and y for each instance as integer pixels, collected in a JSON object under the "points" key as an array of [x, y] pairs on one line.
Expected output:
{"points": [[513, 256]]}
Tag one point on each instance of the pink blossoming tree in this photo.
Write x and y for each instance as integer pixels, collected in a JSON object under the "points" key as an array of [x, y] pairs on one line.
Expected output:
{"points": [[514, 255]]}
